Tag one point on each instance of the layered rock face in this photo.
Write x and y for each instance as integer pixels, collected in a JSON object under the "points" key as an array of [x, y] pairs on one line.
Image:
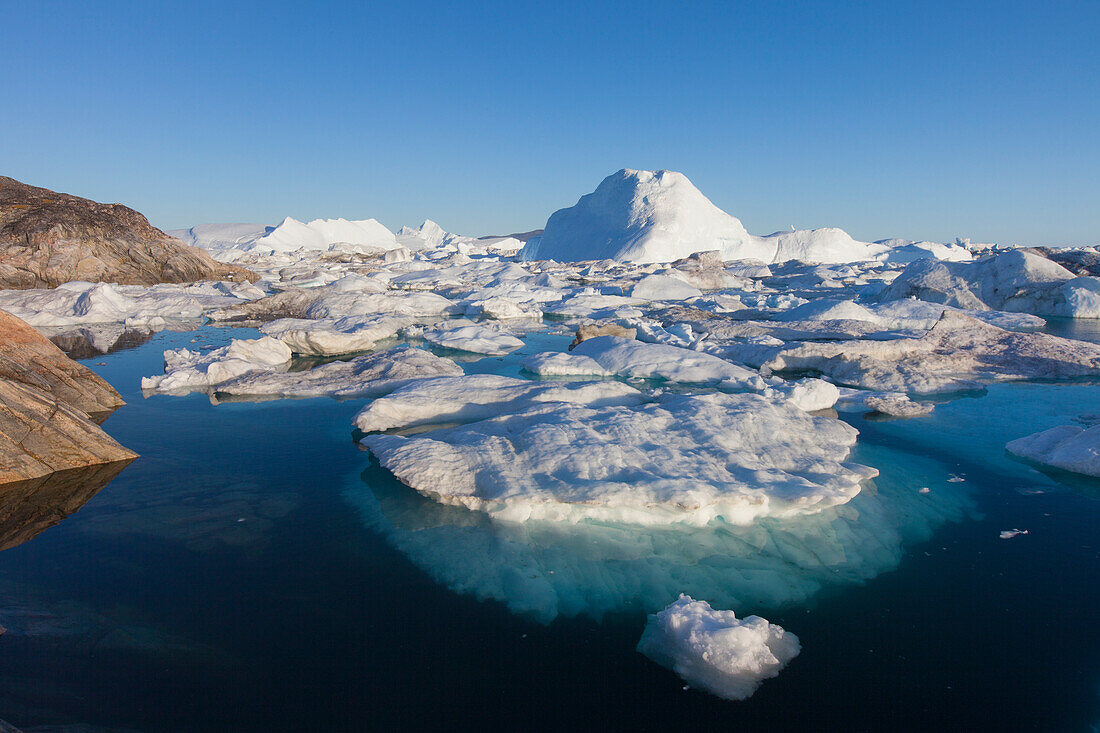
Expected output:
{"points": [[27, 357], [49, 238], [49, 408]]}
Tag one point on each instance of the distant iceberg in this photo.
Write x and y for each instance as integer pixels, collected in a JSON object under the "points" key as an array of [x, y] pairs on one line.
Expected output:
{"points": [[660, 216]]}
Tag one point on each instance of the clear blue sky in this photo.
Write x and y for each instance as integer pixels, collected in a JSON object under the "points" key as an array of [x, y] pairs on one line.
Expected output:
{"points": [[921, 120]]}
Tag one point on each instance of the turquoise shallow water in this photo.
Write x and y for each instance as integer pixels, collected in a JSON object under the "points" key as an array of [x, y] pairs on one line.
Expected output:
{"points": [[255, 570]]}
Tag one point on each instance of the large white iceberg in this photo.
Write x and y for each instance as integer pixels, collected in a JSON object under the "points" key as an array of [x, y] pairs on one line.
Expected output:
{"points": [[292, 234], [660, 216], [684, 459], [480, 396], [714, 650]]}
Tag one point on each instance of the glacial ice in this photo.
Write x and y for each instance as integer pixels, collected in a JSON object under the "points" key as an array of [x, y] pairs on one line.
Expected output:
{"points": [[369, 375], [683, 459], [547, 569], [187, 371], [958, 353], [714, 650], [1067, 447], [480, 396], [646, 216], [84, 303], [629, 358], [329, 337], [559, 364], [1016, 281], [464, 335]]}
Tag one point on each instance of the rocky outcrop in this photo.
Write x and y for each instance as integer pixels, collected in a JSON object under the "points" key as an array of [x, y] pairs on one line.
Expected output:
{"points": [[49, 238], [50, 408], [28, 357]]}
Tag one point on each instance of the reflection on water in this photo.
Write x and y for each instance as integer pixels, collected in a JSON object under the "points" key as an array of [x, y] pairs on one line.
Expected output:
{"points": [[1083, 329], [547, 569], [28, 508]]}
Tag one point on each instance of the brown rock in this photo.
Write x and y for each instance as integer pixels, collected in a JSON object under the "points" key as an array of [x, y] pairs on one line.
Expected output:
{"points": [[40, 434], [49, 409], [28, 357], [49, 238]]}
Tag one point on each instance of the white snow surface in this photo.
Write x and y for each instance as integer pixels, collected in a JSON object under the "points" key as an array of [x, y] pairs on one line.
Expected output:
{"points": [[559, 364], [715, 651], [464, 335], [958, 353], [686, 459], [480, 396], [630, 358]]}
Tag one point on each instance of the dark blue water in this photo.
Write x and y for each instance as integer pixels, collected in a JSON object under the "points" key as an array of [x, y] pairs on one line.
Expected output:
{"points": [[255, 571]]}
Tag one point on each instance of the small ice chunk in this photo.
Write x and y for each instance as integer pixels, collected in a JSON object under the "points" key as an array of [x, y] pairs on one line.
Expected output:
{"points": [[714, 650], [1007, 534], [556, 364], [810, 395]]}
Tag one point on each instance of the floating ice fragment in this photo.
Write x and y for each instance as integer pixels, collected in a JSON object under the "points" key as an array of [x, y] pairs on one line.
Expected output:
{"points": [[716, 651]]}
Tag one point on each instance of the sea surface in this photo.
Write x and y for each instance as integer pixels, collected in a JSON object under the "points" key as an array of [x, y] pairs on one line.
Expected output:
{"points": [[255, 570]]}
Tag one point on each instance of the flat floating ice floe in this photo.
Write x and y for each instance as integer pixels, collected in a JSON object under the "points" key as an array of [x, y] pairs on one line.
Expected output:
{"points": [[330, 337], [559, 364], [716, 651], [480, 396], [84, 303], [467, 336], [684, 459], [630, 358], [370, 375], [1067, 447]]}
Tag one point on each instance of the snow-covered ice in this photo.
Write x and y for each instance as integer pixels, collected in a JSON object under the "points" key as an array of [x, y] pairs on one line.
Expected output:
{"points": [[328, 337], [480, 396], [1068, 447], [958, 353], [186, 370], [682, 459], [464, 335], [369, 375], [630, 358]]}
